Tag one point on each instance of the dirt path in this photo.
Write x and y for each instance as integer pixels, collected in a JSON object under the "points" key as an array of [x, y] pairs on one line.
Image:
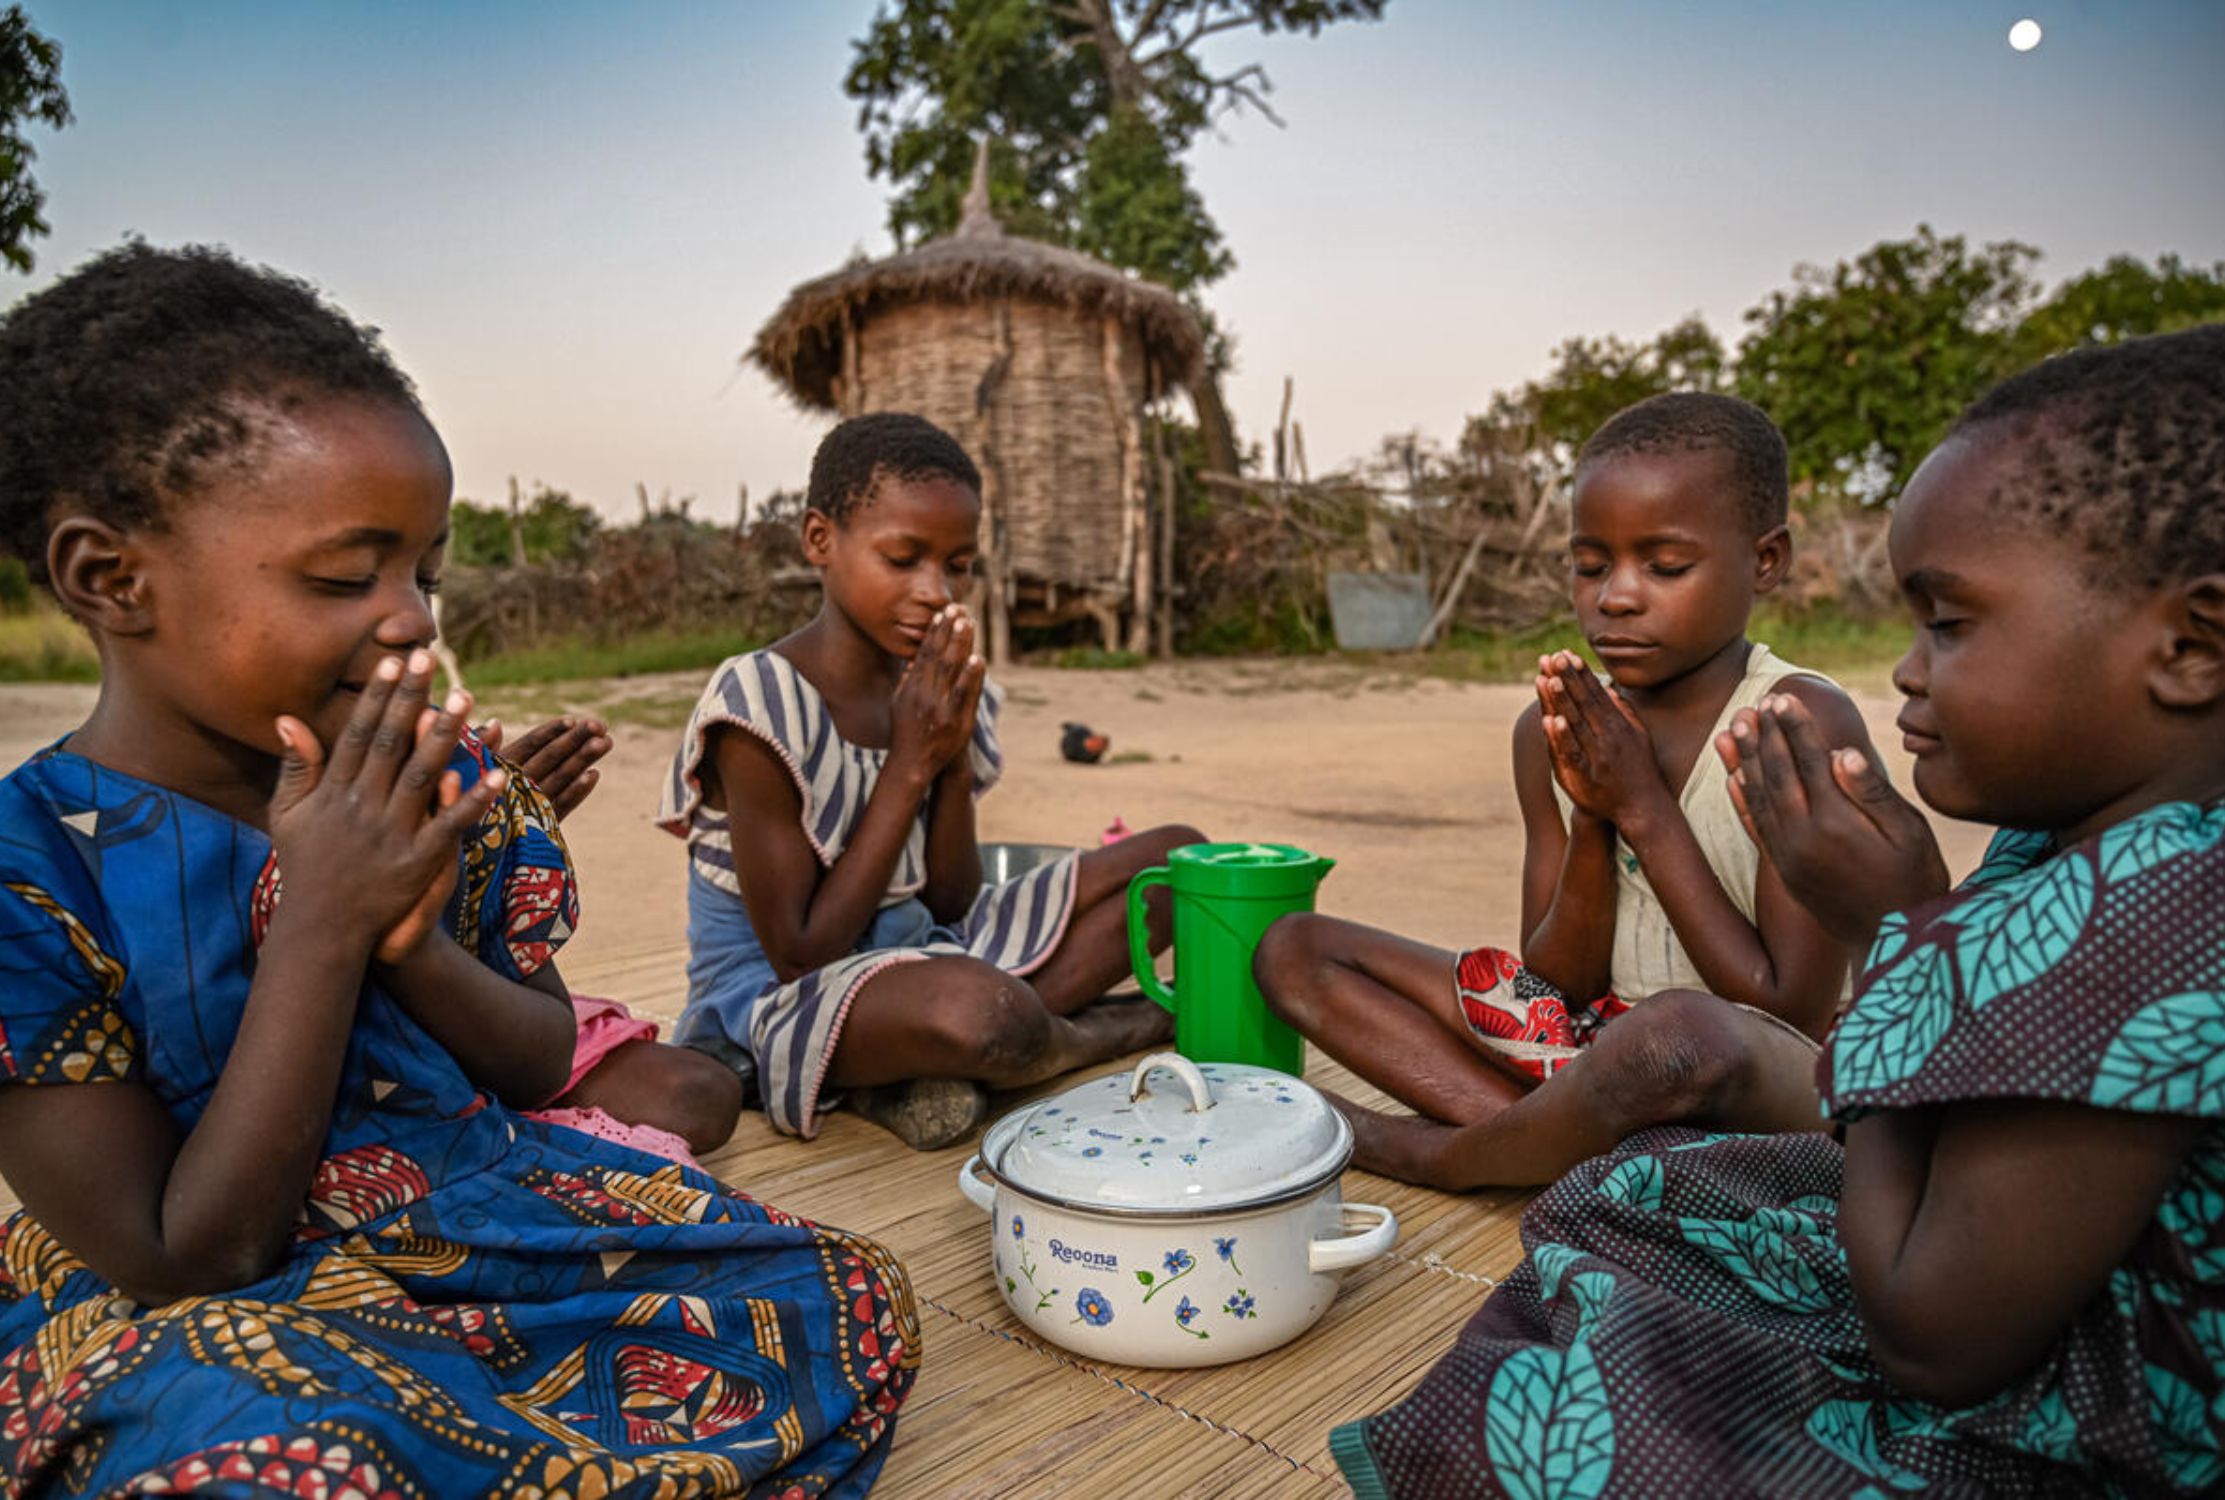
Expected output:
{"points": [[1403, 780]]}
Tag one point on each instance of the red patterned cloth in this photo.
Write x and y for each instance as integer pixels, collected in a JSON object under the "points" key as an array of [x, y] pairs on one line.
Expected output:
{"points": [[1524, 1018]]}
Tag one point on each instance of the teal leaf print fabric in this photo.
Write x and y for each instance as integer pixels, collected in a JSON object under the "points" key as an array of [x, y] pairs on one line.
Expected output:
{"points": [[2168, 1058], [1760, 1258], [1550, 1434], [2021, 937], [1697, 1277], [1893, 1025], [1637, 1183], [1847, 1429]]}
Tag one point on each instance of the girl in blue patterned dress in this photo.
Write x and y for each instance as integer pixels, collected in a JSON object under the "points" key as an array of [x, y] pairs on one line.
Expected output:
{"points": [[839, 934], [2011, 1280], [277, 939]]}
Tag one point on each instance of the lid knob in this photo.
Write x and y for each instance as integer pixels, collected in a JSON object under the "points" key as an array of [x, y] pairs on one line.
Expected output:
{"points": [[1201, 1092]]}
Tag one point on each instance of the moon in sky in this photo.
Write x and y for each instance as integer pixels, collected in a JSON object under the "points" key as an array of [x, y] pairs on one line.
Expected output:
{"points": [[2025, 35]]}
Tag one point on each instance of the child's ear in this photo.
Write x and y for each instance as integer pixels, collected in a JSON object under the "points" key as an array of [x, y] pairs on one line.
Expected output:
{"points": [[1772, 558], [2190, 674], [100, 576], [818, 537]]}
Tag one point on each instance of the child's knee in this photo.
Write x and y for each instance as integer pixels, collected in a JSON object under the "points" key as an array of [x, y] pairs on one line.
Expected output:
{"points": [[1685, 1060], [1288, 952], [991, 1026], [704, 1098]]}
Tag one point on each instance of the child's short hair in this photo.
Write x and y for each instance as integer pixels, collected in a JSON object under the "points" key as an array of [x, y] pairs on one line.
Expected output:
{"points": [[854, 457], [1696, 422], [2122, 448], [122, 382]]}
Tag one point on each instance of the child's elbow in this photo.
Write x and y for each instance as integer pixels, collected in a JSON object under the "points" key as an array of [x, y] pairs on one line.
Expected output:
{"points": [[158, 1283], [1947, 1378], [1936, 1359]]}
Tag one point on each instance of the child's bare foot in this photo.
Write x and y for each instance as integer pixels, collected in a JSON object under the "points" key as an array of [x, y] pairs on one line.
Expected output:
{"points": [[1127, 1023], [1404, 1147], [926, 1114]]}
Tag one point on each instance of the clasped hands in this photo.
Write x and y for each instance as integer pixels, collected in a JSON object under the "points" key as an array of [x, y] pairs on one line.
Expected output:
{"points": [[1847, 846], [1602, 755], [937, 698], [367, 831]]}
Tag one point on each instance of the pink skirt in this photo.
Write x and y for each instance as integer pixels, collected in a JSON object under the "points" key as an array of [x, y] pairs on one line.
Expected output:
{"points": [[605, 1026]]}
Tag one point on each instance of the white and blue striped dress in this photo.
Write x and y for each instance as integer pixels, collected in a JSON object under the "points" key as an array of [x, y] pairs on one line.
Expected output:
{"points": [[781, 1035]]}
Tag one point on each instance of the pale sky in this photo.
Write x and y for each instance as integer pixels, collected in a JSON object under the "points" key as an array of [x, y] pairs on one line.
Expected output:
{"points": [[571, 218]]}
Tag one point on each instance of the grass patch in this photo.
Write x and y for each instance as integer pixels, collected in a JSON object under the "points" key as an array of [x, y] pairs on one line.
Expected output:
{"points": [[44, 645], [635, 656], [1130, 758], [1096, 659], [1821, 638]]}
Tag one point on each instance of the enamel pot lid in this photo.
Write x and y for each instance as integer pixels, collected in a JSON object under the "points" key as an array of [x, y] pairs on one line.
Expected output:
{"points": [[1173, 1137]]}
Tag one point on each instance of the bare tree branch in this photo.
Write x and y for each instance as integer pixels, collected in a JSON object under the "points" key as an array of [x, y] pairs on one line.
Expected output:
{"points": [[1239, 92], [1197, 32]]}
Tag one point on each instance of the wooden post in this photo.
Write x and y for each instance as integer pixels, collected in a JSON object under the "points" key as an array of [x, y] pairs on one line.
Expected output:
{"points": [[1166, 536], [1135, 520], [517, 526], [996, 551]]}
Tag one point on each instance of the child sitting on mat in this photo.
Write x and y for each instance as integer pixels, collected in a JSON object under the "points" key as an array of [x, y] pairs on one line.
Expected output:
{"points": [[278, 936], [1638, 884], [2011, 1281], [839, 934]]}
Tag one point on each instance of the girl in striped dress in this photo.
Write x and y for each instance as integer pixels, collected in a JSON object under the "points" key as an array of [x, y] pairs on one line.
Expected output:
{"points": [[840, 936]]}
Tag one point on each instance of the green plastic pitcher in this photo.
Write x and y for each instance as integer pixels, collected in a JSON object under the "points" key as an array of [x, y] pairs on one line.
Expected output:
{"points": [[1225, 897]]}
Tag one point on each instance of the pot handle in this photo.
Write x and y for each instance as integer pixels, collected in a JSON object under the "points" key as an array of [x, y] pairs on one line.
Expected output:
{"points": [[1201, 1092], [1342, 1252], [980, 1194]]}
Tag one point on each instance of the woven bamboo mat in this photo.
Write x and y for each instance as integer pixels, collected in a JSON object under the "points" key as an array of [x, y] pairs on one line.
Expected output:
{"points": [[997, 1411]]}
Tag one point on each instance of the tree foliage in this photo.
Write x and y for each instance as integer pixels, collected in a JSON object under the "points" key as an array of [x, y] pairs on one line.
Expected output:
{"points": [[1865, 365], [1090, 105], [2125, 298], [30, 89], [554, 527]]}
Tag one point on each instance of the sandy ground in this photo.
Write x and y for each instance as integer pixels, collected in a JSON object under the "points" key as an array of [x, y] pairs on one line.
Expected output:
{"points": [[1403, 780]]}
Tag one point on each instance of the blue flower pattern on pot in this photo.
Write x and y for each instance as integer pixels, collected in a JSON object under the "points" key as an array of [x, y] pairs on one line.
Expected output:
{"points": [[1093, 1151], [1187, 1312], [1094, 1307], [1173, 1266], [1226, 1250], [1239, 1305], [1018, 1228]]}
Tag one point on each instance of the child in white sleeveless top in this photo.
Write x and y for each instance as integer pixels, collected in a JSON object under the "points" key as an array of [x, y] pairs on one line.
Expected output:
{"points": [[1638, 883]]}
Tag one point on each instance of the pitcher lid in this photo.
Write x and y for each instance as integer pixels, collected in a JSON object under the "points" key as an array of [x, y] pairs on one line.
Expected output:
{"points": [[1247, 869], [1173, 1137]]}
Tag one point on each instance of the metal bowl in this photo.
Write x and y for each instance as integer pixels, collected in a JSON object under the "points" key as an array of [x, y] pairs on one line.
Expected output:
{"points": [[1000, 862]]}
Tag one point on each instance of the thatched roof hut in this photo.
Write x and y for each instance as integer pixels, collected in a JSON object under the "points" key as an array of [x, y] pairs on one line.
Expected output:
{"points": [[1042, 362]]}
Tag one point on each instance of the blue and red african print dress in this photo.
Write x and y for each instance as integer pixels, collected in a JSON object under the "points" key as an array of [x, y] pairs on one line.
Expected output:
{"points": [[474, 1302]]}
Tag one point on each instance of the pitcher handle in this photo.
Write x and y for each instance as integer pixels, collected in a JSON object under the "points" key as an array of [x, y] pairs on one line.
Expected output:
{"points": [[1139, 935]]}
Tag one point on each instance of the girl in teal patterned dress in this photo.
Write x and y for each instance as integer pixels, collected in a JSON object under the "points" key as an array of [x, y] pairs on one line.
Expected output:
{"points": [[2011, 1279], [277, 986]]}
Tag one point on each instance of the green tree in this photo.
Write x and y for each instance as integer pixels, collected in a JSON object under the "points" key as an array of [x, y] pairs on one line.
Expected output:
{"points": [[552, 525], [1592, 379], [30, 89], [2124, 299], [1864, 365], [1090, 107]]}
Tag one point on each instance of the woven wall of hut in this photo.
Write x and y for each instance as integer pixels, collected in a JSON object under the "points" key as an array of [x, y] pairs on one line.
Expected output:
{"points": [[1049, 429]]}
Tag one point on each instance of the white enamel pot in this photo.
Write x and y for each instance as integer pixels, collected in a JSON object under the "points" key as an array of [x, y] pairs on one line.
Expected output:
{"points": [[1173, 1227]]}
